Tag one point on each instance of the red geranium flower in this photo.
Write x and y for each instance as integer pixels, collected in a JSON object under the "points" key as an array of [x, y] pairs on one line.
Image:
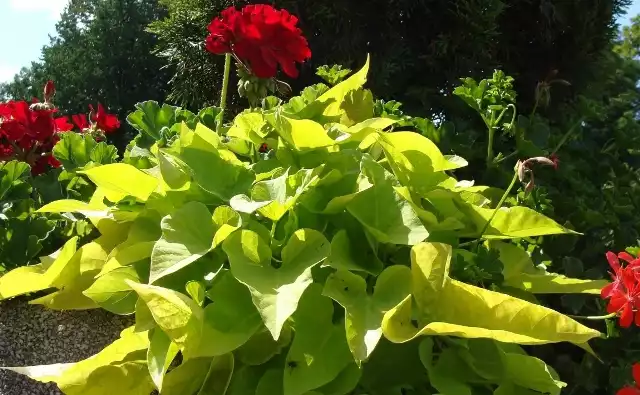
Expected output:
{"points": [[80, 120], [616, 275], [261, 36], [624, 300], [108, 123], [635, 390]]}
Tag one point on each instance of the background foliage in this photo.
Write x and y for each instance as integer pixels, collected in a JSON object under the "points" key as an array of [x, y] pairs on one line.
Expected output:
{"points": [[419, 50]]}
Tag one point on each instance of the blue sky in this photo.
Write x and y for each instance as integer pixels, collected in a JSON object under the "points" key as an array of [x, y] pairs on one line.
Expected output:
{"points": [[25, 26]]}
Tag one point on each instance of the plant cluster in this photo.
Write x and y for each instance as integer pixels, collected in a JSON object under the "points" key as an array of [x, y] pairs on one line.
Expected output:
{"points": [[309, 246], [320, 245], [35, 143]]}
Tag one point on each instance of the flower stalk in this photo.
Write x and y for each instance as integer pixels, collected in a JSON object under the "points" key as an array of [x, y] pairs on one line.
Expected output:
{"points": [[225, 88]]}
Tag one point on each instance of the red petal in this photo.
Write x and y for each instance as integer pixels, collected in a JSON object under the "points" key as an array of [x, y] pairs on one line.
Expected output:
{"points": [[613, 261], [626, 318], [625, 256], [606, 291], [636, 373], [628, 391]]}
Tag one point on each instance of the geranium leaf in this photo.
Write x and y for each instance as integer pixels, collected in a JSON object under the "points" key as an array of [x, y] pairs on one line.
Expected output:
{"points": [[319, 351], [275, 292]]}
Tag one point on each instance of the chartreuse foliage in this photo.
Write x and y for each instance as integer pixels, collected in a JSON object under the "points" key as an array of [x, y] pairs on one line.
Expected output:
{"points": [[322, 266], [26, 234]]}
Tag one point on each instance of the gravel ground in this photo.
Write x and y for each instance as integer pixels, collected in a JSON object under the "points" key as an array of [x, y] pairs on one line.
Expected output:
{"points": [[32, 335]]}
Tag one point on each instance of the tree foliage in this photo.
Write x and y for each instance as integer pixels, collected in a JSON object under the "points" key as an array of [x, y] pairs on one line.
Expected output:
{"points": [[419, 48], [100, 50]]}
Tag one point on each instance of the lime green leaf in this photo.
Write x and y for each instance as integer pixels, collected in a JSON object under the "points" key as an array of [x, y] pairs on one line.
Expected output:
{"points": [[200, 376], [262, 347], [90, 376], [196, 290], [449, 373], [204, 156], [515, 222], [512, 389], [344, 384], [359, 131], [275, 291], [348, 254], [414, 159], [161, 353], [393, 366], [187, 235], [388, 216], [364, 313], [497, 363], [112, 293], [245, 380], [75, 206], [119, 180], [229, 321], [127, 255], [335, 96], [175, 313], [248, 126], [357, 106], [319, 351], [449, 307], [303, 134], [520, 272], [270, 383], [174, 172], [28, 279]]}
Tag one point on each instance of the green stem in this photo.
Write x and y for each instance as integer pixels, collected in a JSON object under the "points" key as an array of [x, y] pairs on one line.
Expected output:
{"points": [[566, 137], [593, 317], [225, 87], [492, 133], [500, 203]]}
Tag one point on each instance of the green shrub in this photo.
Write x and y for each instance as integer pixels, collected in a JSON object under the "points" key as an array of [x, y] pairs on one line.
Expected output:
{"points": [[310, 248]]}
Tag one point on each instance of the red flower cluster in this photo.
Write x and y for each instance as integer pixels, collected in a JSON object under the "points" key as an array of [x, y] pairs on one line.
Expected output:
{"points": [[624, 292], [635, 390], [107, 123], [261, 36], [29, 132]]}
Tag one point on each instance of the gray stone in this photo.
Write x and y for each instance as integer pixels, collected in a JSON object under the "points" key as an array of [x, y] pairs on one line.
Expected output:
{"points": [[33, 335]]}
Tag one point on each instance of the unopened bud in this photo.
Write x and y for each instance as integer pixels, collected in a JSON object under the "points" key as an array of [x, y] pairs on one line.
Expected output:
{"points": [[49, 91]]}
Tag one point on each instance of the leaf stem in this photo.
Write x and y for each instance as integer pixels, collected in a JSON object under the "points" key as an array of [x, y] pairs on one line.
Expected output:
{"points": [[593, 317], [225, 87], [500, 203]]}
